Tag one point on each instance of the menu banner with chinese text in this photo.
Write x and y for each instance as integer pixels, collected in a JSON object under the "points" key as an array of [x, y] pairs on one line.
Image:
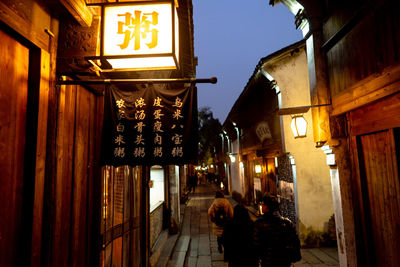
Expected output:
{"points": [[150, 127]]}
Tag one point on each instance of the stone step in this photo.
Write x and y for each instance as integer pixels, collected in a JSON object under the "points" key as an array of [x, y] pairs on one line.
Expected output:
{"points": [[180, 251], [167, 251]]}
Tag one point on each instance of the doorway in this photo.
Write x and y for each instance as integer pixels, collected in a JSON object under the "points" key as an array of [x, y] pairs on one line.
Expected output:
{"points": [[375, 148], [379, 180], [17, 143]]}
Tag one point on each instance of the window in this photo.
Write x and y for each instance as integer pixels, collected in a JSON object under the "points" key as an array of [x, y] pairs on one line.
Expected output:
{"points": [[157, 190], [120, 226]]}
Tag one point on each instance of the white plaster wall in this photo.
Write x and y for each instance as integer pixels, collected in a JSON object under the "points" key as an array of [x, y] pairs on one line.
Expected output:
{"points": [[314, 191]]}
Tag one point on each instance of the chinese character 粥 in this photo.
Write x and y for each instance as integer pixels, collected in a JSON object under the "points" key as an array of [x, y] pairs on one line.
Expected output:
{"points": [[139, 140], [119, 152], [157, 102], [139, 152], [157, 151], [158, 139], [119, 140], [140, 102], [139, 126], [138, 27], [178, 103], [140, 115], [157, 114], [177, 138], [177, 151]]}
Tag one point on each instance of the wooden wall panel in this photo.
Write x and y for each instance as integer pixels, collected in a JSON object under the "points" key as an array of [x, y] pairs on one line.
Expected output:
{"points": [[379, 116], [368, 48], [14, 63], [40, 158], [64, 148], [79, 201], [382, 184], [368, 90], [77, 145]]}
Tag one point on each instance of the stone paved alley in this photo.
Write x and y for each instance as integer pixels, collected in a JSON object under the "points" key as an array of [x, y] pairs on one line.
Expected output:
{"points": [[197, 246]]}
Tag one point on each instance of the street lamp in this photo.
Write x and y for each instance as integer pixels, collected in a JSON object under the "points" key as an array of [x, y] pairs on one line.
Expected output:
{"points": [[299, 126]]}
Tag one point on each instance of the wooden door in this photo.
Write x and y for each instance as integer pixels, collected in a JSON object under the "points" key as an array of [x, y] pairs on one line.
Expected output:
{"points": [[375, 147], [14, 64], [378, 159], [73, 198]]}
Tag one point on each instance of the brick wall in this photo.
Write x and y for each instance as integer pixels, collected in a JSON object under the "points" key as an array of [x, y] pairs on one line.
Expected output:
{"points": [[156, 223]]}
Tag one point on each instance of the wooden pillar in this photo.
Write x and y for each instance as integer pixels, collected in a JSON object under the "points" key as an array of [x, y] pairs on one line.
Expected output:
{"points": [[319, 91], [145, 214]]}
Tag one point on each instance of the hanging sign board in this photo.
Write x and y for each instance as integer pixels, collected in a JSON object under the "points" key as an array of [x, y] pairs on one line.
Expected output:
{"points": [[139, 36], [150, 127]]}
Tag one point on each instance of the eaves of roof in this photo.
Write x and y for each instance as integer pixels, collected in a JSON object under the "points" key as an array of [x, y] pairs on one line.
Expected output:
{"points": [[256, 76]]}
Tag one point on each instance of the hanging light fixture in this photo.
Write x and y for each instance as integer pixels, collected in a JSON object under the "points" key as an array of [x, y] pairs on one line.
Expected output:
{"points": [[258, 168], [138, 36], [299, 126]]}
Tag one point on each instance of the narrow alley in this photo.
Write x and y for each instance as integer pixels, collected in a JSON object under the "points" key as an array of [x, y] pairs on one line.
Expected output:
{"points": [[197, 246]]}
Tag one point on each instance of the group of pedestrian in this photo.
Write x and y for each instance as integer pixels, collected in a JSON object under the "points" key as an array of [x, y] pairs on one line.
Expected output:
{"points": [[270, 241]]}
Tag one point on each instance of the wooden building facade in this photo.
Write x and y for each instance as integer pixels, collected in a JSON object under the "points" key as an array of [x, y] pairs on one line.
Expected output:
{"points": [[254, 138], [354, 60], [52, 187]]}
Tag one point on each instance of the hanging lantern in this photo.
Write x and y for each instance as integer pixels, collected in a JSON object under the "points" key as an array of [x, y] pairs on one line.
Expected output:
{"points": [[299, 126], [138, 36], [258, 168]]}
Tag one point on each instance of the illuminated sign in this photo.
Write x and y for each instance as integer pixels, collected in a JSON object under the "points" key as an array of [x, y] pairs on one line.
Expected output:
{"points": [[139, 36]]}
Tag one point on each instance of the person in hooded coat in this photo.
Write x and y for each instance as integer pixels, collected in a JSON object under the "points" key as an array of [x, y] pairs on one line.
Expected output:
{"points": [[219, 202]]}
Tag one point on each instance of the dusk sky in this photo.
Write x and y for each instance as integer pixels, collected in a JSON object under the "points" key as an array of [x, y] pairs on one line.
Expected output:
{"points": [[230, 37]]}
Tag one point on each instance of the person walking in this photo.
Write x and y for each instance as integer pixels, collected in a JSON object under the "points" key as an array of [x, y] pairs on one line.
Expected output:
{"points": [[237, 238], [220, 212], [193, 183], [275, 240]]}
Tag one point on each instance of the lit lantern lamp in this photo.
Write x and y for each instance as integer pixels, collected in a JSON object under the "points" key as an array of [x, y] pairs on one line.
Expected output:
{"points": [[299, 126], [258, 168], [138, 36]]}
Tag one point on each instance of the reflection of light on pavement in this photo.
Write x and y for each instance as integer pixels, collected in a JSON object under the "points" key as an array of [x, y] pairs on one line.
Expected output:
{"points": [[194, 201], [202, 198]]}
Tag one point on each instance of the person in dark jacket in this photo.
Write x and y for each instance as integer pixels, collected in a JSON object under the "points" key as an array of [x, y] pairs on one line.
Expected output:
{"points": [[237, 239], [275, 240]]}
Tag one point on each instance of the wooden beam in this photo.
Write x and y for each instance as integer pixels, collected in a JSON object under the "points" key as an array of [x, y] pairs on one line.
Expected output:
{"points": [[370, 89], [294, 110], [79, 11], [376, 117], [25, 23]]}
